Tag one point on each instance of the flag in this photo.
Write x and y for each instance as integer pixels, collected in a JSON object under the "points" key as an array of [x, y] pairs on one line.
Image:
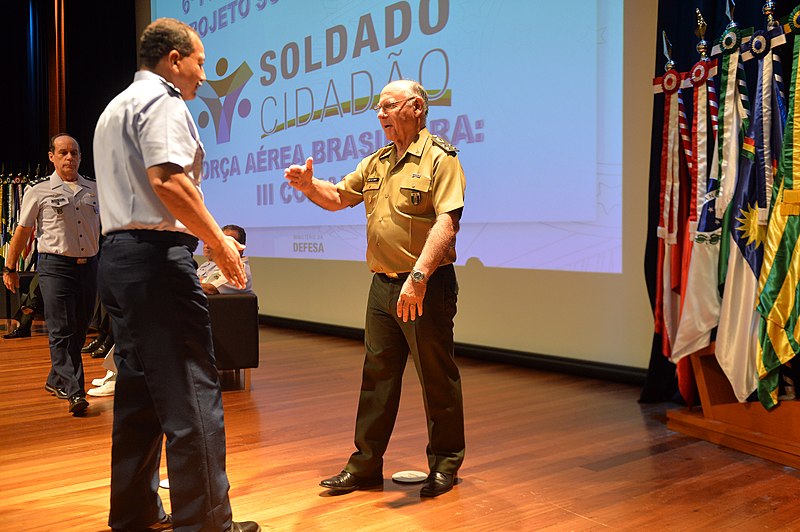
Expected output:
{"points": [[674, 157], [700, 297], [704, 117], [744, 228], [778, 283], [701, 305]]}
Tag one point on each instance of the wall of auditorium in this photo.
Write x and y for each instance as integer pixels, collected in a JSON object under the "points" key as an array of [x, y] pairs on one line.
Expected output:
{"points": [[593, 317], [603, 318]]}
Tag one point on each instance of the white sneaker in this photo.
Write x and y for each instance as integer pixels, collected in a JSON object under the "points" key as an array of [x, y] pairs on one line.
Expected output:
{"points": [[104, 390], [100, 382]]}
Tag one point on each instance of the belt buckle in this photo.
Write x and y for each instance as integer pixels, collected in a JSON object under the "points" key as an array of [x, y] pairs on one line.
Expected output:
{"points": [[81, 261], [391, 275]]}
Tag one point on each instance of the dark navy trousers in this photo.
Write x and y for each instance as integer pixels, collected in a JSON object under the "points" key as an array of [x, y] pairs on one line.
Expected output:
{"points": [[69, 289], [167, 384]]}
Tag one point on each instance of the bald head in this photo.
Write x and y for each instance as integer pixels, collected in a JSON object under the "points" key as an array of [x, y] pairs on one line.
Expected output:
{"points": [[411, 88]]}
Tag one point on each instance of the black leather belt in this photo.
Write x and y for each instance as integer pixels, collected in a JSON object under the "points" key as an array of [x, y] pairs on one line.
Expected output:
{"points": [[391, 276], [74, 260], [149, 235]]}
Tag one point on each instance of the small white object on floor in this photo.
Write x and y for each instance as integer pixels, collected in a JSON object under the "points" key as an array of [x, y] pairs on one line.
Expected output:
{"points": [[164, 484], [409, 476]]}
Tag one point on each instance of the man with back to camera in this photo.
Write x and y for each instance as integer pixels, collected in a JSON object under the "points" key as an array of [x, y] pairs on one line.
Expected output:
{"points": [[149, 158], [413, 191], [63, 208]]}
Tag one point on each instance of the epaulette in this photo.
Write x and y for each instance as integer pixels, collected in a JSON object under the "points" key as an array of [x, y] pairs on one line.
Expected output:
{"points": [[443, 144], [171, 89], [38, 180], [89, 178]]}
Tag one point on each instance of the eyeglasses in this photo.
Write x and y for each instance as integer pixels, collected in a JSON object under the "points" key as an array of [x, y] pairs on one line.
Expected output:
{"points": [[386, 107]]}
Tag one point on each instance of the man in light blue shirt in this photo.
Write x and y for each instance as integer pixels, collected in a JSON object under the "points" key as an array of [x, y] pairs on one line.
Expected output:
{"points": [[148, 159]]}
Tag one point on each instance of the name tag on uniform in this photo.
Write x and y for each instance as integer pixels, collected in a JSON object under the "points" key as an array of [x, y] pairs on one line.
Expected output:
{"points": [[57, 202]]}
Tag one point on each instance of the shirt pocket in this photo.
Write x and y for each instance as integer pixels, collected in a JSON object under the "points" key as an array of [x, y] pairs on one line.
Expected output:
{"points": [[89, 201], [415, 195], [370, 192], [53, 208]]}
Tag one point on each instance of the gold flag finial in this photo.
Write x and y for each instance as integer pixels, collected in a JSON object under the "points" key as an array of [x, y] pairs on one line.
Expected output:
{"points": [[700, 32], [769, 11]]}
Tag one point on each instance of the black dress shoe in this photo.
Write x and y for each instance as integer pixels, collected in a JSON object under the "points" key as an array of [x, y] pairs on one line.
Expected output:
{"points": [[436, 484], [346, 481], [103, 349], [19, 332], [94, 344], [244, 526], [163, 524], [100, 352], [58, 392], [78, 404]]}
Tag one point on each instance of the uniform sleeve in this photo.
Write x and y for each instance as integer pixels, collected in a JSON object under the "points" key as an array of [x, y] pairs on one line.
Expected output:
{"points": [[165, 133], [29, 212], [448, 184]]}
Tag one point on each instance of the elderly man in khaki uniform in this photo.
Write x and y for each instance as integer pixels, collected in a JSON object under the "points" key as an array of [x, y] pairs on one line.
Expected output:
{"points": [[413, 192]]}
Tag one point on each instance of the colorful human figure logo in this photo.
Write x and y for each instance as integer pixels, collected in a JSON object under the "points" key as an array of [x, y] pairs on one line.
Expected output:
{"points": [[222, 99]]}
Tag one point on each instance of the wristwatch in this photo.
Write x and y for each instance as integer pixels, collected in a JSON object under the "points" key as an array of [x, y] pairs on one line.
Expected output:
{"points": [[6, 269], [417, 276]]}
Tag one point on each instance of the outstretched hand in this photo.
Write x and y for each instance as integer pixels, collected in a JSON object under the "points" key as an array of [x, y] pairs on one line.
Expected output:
{"points": [[299, 176]]}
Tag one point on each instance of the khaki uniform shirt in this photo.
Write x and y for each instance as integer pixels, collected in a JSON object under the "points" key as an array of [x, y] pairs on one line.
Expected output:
{"points": [[403, 198], [67, 223]]}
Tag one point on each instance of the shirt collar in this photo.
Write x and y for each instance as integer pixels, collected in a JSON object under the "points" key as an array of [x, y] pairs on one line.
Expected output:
{"points": [[415, 148], [149, 75], [56, 181]]}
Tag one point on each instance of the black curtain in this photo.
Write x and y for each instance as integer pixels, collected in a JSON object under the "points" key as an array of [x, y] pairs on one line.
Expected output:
{"points": [[678, 18], [100, 44], [26, 29], [101, 62]]}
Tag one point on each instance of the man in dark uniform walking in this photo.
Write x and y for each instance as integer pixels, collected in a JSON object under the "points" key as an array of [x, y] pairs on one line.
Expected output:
{"points": [[413, 192], [63, 209]]}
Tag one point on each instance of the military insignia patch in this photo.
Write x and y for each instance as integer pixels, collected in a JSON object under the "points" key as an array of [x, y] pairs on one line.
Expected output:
{"points": [[443, 144]]}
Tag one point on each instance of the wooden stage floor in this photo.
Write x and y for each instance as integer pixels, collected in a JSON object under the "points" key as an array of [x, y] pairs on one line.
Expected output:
{"points": [[544, 452]]}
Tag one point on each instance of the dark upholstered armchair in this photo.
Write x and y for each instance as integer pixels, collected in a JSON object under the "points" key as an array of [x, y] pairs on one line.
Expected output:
{"points": [[234, 326]]}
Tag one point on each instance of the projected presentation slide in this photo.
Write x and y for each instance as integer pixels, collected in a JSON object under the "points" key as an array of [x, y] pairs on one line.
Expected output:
{"points": [[528, 91]]}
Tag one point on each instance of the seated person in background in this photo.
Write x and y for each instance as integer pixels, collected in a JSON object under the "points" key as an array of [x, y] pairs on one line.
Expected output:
{"points": [[211, 279]]}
